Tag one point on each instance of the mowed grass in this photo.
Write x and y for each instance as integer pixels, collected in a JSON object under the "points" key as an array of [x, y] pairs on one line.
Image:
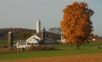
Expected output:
{"points": [[4, 42], [62, 51]]}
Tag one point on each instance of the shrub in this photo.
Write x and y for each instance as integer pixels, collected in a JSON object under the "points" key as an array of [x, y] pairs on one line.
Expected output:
{"points": [[40, 47]]}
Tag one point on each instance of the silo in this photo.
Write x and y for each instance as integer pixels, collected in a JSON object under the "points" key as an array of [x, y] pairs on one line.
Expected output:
{"points": [[10, 39], [42, 35], [38, 26]]}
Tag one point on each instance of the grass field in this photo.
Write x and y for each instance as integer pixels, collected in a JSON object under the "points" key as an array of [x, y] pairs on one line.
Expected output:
{"points": [[3, 42], [63, 50], [95, 57]]}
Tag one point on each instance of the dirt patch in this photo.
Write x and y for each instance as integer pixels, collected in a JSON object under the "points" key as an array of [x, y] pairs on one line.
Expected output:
{"points": [[70, 58]]}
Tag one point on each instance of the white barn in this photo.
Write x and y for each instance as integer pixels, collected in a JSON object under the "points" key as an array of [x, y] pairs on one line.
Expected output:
{"points": [[33, 40]]}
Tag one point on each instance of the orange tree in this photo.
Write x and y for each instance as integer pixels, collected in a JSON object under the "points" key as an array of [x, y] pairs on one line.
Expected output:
{"points": [[76, 24]]}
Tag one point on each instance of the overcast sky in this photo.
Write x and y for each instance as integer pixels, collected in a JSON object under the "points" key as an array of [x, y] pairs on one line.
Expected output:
{"points": [[25, 13]]}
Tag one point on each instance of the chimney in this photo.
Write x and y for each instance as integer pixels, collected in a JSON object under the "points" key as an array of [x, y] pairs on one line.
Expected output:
{"points": [[42, 35], [38, 26], [10, 39]]}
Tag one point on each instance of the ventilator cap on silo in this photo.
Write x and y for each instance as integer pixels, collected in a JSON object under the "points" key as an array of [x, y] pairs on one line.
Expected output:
{"points": [[43, 29], [9, 32]]}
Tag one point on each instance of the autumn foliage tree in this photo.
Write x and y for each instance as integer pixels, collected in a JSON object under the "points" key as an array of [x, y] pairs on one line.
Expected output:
{"points": [[76, 24]]}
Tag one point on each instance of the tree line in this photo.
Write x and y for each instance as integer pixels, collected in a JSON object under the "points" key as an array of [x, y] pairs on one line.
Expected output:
{"points": [[23, 33], [18, 33]]}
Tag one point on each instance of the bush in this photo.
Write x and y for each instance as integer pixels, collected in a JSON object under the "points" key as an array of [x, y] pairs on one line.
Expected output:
{"points": [[40, 47]]}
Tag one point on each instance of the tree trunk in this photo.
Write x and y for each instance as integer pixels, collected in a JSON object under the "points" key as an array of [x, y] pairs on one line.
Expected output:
{"points": [[78, 46]]}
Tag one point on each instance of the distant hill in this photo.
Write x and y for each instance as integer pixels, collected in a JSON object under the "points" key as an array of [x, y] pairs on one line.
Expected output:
{"points": [[22, 33], [16, 32]]}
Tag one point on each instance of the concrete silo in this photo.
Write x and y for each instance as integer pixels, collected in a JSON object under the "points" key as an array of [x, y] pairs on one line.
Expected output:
{"points": [[10, 39], [38, 26]]}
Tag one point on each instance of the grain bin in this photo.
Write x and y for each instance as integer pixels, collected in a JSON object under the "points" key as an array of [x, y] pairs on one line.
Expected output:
{"points": [[10, 39]]}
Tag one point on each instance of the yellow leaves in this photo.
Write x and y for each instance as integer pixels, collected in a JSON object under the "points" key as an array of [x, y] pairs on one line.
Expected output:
{"points": [[76, 23]]}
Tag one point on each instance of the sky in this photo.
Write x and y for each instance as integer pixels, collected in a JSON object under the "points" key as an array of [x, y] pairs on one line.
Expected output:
{"points": [[25, 13]]}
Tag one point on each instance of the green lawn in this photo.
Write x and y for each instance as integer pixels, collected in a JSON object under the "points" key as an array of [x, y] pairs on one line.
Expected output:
{"points": [[47, 54], [3, 42], [86, 46], [64, 50]]}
